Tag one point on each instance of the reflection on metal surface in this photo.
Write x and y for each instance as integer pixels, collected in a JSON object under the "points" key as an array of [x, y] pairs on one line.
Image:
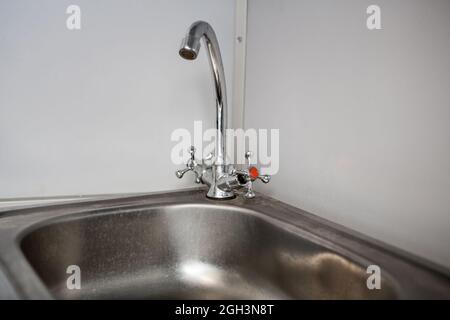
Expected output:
{"points": [[327, 275], [200, 273]]}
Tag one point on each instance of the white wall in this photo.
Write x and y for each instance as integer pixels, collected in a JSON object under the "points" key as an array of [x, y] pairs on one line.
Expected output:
{"points": [[364, 116], [91, 111]]}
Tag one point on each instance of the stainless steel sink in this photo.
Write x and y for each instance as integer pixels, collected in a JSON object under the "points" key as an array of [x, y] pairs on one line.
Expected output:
{"points": [[190, 251], [183, 246]]}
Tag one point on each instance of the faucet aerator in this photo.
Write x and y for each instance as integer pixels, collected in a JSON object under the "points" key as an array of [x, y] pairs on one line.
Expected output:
{"points": [[188, 54], [190, 46]]}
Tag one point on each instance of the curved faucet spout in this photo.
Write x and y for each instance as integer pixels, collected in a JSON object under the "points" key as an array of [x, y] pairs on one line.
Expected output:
{"points": [[190, 47], [221, 178]]}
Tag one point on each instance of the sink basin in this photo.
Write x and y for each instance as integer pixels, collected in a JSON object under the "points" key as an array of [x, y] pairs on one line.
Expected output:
{"points": [[191, 251], [183, 246]]}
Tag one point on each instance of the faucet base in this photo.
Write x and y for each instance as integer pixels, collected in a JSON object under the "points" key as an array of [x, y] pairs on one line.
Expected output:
{"points": [[219, 187], [218, 194], [227, 198]]}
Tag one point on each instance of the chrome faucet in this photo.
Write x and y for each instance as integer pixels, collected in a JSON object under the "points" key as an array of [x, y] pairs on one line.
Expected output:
{"points": [[221, 177]]}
